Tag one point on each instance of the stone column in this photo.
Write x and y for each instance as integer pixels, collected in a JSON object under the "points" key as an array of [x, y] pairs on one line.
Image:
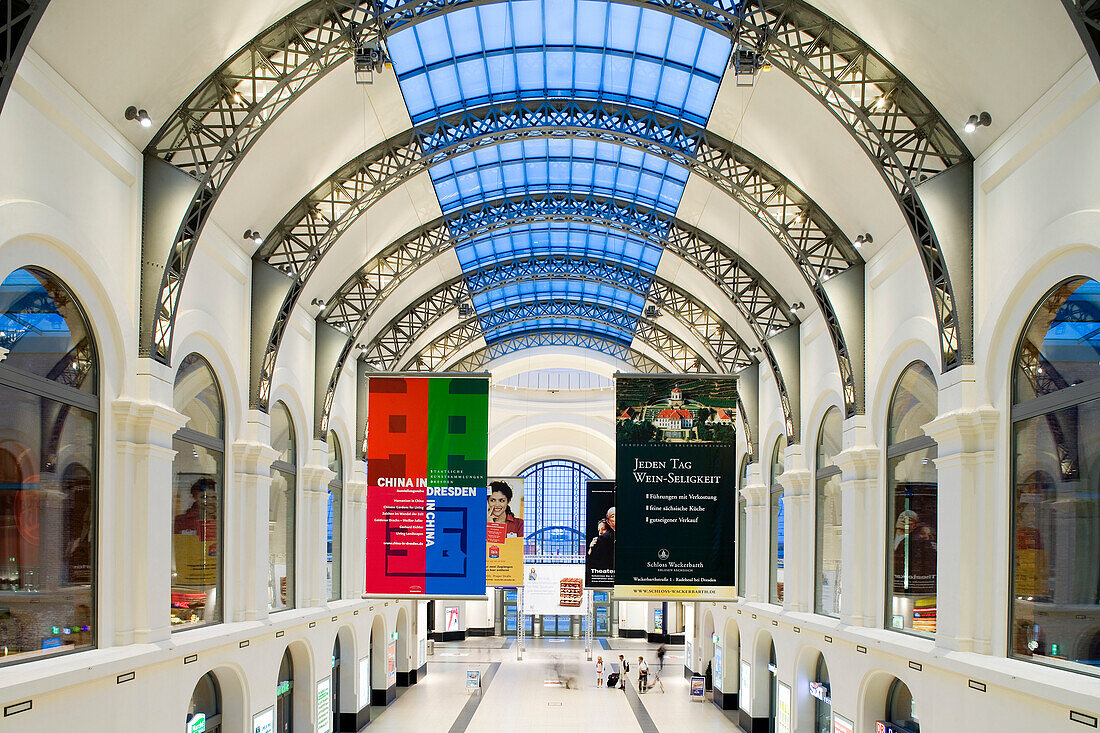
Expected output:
{"points": [[141, 526], [355, 530], [756, 529], [247, 507], [969, 520], [862, 542], [798, 535], [312, 528]]}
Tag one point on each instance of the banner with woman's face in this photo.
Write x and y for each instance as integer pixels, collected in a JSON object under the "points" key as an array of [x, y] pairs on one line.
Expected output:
{"points": [[504, 532]]}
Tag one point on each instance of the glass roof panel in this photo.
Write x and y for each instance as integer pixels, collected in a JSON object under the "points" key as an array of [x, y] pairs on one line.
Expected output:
{"points": [[572, 325], [541, 239], [579, 167], [520, 292], [568, 49]]}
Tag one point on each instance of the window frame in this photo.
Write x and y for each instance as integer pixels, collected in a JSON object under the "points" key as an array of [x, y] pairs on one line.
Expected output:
{"points": [[776, 489], [823, 473], [291, 469]]}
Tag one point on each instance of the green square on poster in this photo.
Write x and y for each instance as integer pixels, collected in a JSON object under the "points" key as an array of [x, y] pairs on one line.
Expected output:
{"points": [[458, 431]]}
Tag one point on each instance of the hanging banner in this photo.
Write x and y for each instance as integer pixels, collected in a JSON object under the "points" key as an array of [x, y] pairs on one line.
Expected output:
{"points": [[599, 538], [556, 590], [504, 533], [675, 483], [427, 448]]}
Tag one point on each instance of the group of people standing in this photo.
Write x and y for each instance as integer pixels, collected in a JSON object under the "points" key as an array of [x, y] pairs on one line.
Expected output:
{"points": [[624, 669]]}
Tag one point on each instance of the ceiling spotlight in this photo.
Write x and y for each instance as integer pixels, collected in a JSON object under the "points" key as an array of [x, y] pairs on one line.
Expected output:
{"points": [[976, 121], [882, 102], [651, 312], [754, 350], [254, 236], [140, 115], [317, 302], [797, 305], [863, 239]]}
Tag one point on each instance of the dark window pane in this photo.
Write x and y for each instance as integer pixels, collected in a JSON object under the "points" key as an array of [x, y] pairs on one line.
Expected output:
{"points": [[44, 332], [1056, 578], [281, 541], [912, 499], [47, 526], [827, 515], [1061, 346]]}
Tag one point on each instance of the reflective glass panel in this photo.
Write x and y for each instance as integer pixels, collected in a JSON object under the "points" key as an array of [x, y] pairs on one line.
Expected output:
{"points": [[912, 503], [280, 572], [196, 395], [335, 517], [575, 239], [43, 331], [776, 522], [1061, 346], [282, 433], [197, 496], [901, 708], [823, 707], [570, 49], [47, 526], [827, 517], [555, 501], [914, 404], [1056, 572]]}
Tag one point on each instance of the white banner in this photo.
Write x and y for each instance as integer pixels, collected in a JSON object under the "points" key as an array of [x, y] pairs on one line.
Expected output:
{"points": [[554, 590]]}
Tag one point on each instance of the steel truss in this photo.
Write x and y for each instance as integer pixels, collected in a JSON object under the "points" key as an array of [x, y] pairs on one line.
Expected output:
{"points": [[389, 347], [308, 231], [218, 123], [1086, 18], [18, 19], [357, 299]]}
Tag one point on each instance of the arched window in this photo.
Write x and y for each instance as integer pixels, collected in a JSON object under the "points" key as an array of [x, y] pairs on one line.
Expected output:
{"points": [[742, 525], [821, 692], [284, 696], [911, 503], [827, 516], [206, 703], [197, 497], [280, 564], [775, 576], [335, 705], [555, 502], [335, 515], [901, 709], [1056, 475], [49, 384], [773, 688]]}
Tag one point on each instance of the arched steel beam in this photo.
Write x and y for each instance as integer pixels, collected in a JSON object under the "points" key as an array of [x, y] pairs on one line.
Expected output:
{"points": [[1085, 15], [479, 359], [209, 134], [806, 233], [18, 19], [347, 311], [386, 350]]}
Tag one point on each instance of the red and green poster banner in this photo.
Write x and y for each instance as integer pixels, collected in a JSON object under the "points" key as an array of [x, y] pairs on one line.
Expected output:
{"points": [[427, 449]]}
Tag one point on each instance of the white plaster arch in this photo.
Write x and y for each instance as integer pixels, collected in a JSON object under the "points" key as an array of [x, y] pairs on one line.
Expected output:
{"points": [[902, 351], [527, 457], [284, 391], [200, 333]]}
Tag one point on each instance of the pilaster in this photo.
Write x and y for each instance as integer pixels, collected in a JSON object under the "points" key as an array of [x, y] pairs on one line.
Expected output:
{"points": [[247, 508], [798, 534], [310, 569], [144, 425], [756, 529], [355, 531], [862, 516]]}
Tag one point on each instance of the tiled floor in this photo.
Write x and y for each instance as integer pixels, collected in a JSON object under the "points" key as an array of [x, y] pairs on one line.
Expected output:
{"points": [[525, 695]]}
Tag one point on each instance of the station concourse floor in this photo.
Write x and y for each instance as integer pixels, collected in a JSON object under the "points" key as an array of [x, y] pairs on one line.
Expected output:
{"points": [[525, 695]]}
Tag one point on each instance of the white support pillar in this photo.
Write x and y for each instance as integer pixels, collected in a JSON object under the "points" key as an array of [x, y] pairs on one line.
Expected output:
{"points": [[311, 562], [247, 508], [355, 531], [144, 426], [863, 512], [798, 539], [756, 529], [969, 519]]}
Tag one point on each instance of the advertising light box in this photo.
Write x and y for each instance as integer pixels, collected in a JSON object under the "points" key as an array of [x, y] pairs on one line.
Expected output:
{"points": [[324, 705], [599, 538], [427, 442], [504, 533], [783, 708], [556, 590]]}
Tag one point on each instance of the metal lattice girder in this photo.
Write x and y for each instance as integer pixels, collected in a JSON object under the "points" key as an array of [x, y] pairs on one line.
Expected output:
{"points": [[18, 19], [1086, 18], [800, 40], [308, 231], [385, 351], [755, 298], [479, 360]]}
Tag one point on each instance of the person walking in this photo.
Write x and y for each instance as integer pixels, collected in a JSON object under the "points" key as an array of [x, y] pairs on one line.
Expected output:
{"points": [[643, 674], [661, 657], [624, 667], [599, 671]]}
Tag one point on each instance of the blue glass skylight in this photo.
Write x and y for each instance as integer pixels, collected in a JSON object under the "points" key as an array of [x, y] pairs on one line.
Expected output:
{"points": [[576, 239], [579, 167], [520, 292], [573, 325], [572, 49]]}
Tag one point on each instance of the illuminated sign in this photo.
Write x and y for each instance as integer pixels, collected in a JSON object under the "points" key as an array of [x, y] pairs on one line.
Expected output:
{"points": [[746, 682], [324, 706], [783, 709], [264, 721], [283, 688], [842, 724], [772, 668], [197, 723], [820, 690]]}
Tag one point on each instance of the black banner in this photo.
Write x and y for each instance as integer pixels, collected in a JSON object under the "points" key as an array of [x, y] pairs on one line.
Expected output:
{"points": [[599, 538], [676, 488]]}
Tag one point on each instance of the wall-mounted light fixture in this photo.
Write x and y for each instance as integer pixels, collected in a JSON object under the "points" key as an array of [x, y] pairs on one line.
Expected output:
{"points": [[254, 235], [982, 119], [139, 115], [863, 239]]}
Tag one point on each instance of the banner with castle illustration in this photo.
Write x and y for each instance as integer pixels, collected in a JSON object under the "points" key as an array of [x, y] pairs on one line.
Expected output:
{"points": [[675, 463]]}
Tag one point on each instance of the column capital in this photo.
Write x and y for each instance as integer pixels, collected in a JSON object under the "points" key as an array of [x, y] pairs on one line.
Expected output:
{"points": [[967, 430], [146, 422], [858, 462], [316, 478], [356, 491], [796, 483]]}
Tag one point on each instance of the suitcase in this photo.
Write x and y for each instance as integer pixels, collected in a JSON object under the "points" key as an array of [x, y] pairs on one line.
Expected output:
{"points": [[612, 680]]}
